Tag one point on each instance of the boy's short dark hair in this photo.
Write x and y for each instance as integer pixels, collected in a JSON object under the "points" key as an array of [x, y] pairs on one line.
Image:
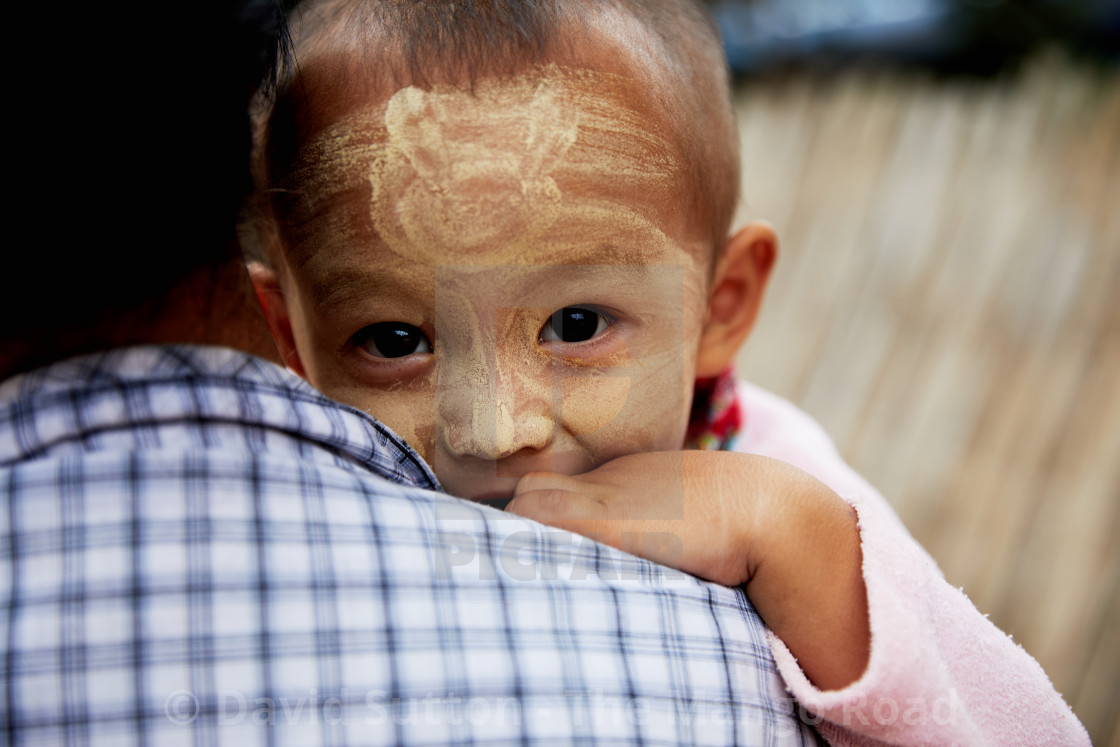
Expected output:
{"points": [[355, 50]]}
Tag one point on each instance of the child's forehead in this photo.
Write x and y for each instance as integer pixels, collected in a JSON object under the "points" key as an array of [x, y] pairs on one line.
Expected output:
{"points": [[609, 51], [584, 104], [553, 156]]}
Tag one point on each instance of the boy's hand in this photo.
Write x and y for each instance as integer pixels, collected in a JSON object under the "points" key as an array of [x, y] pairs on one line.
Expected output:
{"points": [[734, 519]]}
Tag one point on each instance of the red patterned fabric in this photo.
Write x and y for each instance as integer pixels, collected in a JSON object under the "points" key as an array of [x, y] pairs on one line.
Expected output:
{"points": [[716, 417]]}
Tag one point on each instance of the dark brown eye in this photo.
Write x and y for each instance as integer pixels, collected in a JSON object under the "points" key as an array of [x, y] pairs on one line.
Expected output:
{"points": [[574, 324], [392, 340]]}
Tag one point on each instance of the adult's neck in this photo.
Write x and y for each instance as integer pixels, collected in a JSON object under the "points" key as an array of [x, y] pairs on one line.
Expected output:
{"points": [[210, 306]]}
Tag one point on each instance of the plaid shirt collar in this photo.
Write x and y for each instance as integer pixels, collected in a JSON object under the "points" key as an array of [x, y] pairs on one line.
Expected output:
{"points": [[152, 397]]}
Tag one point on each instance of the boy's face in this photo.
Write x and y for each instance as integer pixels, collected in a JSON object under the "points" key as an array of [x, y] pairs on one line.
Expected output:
{"points": [[508, 279]]}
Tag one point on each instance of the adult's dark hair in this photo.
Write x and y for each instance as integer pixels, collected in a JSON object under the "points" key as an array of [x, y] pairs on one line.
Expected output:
{"points": [[128, 151]]}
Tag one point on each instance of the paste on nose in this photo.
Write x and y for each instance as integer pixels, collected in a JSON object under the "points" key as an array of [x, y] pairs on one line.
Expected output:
{"points": [[512, 434], [495, 428], [514, 418]]}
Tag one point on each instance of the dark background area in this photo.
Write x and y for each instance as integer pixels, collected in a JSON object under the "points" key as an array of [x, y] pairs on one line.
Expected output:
{"points": [[972, 37]]}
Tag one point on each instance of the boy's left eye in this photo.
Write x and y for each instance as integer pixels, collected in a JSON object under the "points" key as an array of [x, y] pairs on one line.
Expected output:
{"points": [[392, 340], [574, 324]]}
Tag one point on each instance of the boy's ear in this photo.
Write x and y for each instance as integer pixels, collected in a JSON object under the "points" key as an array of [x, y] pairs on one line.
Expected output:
{"points": [[737, 290], [271, 298]]}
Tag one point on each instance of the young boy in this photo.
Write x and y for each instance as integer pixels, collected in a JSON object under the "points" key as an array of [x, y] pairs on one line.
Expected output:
{"points": [[502, 229]]}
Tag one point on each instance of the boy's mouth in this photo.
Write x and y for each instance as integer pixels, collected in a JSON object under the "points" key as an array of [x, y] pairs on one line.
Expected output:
{"points": [[494, 500], [494, 483]]}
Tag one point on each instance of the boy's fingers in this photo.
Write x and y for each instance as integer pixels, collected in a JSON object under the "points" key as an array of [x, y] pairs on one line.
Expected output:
{"points": [[544, 505], [560, 501], [575, 505], [569, 511], [543, 481], [550, 501]]}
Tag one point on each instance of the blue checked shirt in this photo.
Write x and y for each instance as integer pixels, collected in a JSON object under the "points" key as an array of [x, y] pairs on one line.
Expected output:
{"points": [[197, 548]]}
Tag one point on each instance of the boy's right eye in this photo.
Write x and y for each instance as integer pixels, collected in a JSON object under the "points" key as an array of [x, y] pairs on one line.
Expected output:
{"points": [[574, 324], [392, 340]]}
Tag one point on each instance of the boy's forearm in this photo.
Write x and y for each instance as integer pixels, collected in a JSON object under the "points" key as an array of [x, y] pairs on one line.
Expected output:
{"points": [[745, 519], [806, 577]]}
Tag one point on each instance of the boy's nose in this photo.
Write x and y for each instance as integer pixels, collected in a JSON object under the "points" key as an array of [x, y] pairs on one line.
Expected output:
{"points": [[494, 417]]}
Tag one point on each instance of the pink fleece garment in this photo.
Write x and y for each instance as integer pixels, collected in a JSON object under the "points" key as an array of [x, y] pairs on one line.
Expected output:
{"points": [[940, 673]]}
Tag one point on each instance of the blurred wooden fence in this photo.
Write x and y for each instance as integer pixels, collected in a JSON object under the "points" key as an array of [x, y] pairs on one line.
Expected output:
{"points": [[947, 304]]}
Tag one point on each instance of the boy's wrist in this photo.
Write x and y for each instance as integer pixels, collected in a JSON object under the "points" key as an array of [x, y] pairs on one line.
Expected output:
{"points": [[806, 577]]}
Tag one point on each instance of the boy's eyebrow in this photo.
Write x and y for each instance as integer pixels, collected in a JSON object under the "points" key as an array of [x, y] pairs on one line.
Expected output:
{"points": [[640, 250], [605, 253], [363, 278], [344, 285]]}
